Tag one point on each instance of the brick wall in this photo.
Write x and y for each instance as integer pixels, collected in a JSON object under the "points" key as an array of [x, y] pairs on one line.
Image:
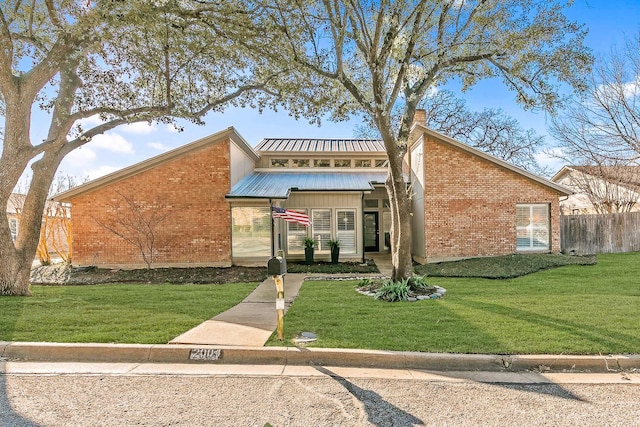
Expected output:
{"points": [[470, 204], [191, 188]]}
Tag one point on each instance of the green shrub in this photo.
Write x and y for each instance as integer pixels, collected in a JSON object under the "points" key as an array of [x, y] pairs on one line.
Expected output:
{"points": [[419, 284], [394, 291]]}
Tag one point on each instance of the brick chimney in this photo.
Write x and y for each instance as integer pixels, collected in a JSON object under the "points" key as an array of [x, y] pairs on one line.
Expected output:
{"points": [[420, 117]]}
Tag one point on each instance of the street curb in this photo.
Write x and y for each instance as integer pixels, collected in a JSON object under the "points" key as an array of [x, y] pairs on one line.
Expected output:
{"points": [[300, 356]]}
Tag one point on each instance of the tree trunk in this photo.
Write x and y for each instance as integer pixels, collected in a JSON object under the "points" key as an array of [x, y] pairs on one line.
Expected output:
{"points": [[400, 206], [17, 257]]}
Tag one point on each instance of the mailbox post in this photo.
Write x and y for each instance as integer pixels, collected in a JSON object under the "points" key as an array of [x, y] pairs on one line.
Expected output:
{"points": [[277, 268]]}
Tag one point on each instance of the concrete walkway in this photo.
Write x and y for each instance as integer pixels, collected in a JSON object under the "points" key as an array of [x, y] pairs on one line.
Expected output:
{"points": [[249, 323]]}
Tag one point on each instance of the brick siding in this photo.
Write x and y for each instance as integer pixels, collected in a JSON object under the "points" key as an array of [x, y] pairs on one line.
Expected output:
{"points": [[191, 187], [470, 204]]}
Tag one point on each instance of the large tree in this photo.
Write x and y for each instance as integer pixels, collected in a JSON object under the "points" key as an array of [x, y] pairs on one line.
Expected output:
{"points": [[603, 125], [124, 61], [385, 53], [491, 130], [599, 131]]}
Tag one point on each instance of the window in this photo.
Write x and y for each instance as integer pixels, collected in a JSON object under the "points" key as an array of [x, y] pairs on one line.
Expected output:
{"points": [[300, 163], [342, 163], [370, 203], [251, 232], [346, 230], [279, 163], [322, 163], [381, 163], [532, 227], [13, 227], [363, 163], [295, 235], [321, 228]]}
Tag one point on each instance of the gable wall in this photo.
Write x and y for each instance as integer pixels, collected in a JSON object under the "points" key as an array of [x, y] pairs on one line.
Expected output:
{"points": [[197, 230], [470, 204]]}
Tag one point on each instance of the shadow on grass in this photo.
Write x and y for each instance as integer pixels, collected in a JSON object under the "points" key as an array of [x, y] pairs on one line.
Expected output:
{"points": [[379, 411], [8, 416], [597, 336]]}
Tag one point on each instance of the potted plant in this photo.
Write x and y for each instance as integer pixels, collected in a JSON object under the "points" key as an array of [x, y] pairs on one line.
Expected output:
{"points": [[309, 245], [334, 244]]}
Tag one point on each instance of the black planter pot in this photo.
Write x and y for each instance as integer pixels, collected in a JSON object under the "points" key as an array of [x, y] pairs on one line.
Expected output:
{"points": [[308, 256], [335, 254]]}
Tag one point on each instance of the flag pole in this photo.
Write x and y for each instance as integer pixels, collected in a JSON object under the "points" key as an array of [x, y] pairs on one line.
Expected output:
{"points": [[273, 243]]}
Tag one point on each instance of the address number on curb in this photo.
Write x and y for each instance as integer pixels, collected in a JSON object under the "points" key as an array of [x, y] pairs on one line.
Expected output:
{"points": [[204, 354]]}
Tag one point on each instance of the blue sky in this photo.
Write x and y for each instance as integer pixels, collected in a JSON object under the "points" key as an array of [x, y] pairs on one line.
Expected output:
{"points": [[608, 21]]}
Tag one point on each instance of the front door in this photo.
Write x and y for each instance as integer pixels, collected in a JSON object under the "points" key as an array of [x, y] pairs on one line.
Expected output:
{"points": [[371, 232]]}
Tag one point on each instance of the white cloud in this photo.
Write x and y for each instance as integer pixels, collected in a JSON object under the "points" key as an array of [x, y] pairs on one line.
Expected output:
{"points": [[172, 129], [139, 128], [91, 122], [111, 142], [100, 171], [549, 159], [159, 146], [81, 156]]}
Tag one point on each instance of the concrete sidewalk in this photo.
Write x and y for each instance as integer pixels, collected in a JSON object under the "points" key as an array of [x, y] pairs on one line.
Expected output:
{"points": [[249, 323]]}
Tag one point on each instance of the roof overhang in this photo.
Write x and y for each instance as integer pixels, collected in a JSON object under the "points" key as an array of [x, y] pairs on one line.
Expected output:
{"points": [[280, 184]]}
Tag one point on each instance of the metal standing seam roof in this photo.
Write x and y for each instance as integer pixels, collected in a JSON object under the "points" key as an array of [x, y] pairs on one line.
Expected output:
{"points": [[320, 145], [278, 185]]}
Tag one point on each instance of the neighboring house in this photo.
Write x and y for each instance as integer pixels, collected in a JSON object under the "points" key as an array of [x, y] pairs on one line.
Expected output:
{"points": [[599, 189], [53, 222], [13, 213], [219, 191]]}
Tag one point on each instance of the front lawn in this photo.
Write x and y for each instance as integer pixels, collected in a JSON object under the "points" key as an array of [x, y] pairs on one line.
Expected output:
{"points": [[588, 309], [149, 314]]}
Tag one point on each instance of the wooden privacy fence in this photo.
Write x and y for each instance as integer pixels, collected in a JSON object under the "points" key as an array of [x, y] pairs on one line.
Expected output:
{"points": [[599, 234]]}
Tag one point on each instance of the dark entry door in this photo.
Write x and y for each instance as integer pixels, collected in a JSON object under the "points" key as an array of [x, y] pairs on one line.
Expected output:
{"points": [[371, 232]]}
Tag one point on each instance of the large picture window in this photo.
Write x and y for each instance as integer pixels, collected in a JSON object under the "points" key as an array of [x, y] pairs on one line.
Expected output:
{"points": [[251, 232], [295, 235], [532, 227], [321, 229], [346, 230]]}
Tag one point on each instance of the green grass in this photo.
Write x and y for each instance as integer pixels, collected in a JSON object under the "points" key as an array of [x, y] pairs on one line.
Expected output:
{"points": [[114, 313], [574, 310], [502, 267]]}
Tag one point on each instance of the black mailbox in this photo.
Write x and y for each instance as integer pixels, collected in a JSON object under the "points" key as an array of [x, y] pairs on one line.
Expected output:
{"points": [[277, 266]]}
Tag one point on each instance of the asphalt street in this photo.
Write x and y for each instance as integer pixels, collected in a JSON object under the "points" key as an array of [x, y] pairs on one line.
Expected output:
{"points": [[58, 394]]}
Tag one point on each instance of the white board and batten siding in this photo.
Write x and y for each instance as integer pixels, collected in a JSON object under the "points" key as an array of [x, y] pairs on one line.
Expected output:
{"points": [[241, 163], [322, 229]]}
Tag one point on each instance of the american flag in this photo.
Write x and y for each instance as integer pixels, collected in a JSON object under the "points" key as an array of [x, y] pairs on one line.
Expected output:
{"points": [[290, 216]]}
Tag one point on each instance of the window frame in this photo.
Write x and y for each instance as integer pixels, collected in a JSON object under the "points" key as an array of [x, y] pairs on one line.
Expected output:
{"points": [[327, 233], [532, 227], [342, 235], [299, 231], [251, 234]]}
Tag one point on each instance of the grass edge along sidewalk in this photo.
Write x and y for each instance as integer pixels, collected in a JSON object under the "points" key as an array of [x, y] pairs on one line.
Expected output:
{"points": [[593, 309], [408, 328]]}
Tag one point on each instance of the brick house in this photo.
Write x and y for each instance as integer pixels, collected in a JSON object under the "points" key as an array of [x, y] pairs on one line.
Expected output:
{"points": [[216, 193]]}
